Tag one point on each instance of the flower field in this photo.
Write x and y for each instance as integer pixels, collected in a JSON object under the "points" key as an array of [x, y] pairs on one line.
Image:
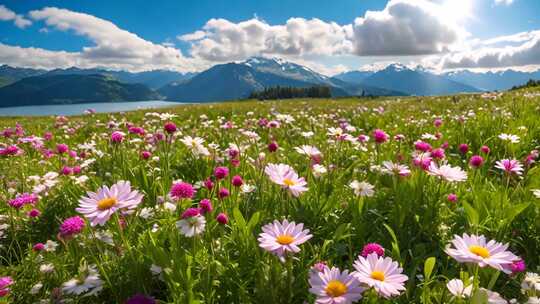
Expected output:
{"points": [[418, 200]]}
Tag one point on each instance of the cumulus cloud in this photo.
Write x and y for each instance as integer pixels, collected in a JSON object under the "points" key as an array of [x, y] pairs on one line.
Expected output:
{"points": [[8, 15], [406, 27], [526, 53], [222, 40], [114, 47], [425, 29]]}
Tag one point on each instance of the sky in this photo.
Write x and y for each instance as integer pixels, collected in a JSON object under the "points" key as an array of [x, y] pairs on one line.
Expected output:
{"points": [[327, 36]]}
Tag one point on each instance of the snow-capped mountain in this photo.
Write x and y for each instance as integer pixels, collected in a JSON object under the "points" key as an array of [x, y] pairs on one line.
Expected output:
{"points": [[491, 81], [411, 81], [238, 80], [280, 67]]}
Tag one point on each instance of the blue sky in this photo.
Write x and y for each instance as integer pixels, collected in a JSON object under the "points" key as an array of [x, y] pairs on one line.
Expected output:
{"points": [[458, 29]]}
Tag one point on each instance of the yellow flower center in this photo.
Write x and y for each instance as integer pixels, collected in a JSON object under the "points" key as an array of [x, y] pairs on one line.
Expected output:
{"points": [[335, 288], [377, 275], [479, 251], [288, 182], [284, 239], [106, 203]]}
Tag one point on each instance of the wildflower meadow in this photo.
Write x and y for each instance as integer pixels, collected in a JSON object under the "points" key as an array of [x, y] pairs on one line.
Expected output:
{"points": [[389, 200]]}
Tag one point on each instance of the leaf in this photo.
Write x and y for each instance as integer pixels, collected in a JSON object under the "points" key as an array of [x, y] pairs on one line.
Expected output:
{"points": [[395, 244], [493, 279], [472, 214], [239, 219], [254, 220], [515, 211], [428, 267], [479, 297]]}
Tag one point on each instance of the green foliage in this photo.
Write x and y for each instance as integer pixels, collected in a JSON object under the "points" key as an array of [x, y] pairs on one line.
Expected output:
{"points": [[409, 216]]}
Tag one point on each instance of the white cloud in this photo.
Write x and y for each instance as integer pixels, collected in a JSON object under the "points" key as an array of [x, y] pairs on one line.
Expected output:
{"points": [[8, 15], [221, 40], [407, 27], [418, 30], [113, 47], [504, 2], [404, 27], [37, 58], [526, 53]]}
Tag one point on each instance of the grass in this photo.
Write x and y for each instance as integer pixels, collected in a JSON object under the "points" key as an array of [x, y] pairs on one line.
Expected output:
{"points": [[410, 216]]}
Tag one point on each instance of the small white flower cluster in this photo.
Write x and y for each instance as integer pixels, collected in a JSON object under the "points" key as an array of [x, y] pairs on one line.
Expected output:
{"points": [[42, 184], [530, 286]]}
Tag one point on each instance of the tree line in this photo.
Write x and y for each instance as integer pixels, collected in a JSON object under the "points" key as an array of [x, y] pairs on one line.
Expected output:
{"points": [[531, 83], [280, 92]]}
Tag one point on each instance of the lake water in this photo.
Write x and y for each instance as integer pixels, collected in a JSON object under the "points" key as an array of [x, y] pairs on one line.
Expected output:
{"points": [[78, 109]]}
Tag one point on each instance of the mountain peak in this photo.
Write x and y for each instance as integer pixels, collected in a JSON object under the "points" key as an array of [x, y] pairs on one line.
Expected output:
{"points": [[397, 67]]}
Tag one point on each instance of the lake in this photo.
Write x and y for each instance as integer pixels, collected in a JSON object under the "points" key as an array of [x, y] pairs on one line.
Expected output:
{"points": [[79, 109]]}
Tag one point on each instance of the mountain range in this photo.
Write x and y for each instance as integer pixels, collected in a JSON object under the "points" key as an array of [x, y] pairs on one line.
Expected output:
{"points": [[71, 88], [236, 80], [409, 81]]}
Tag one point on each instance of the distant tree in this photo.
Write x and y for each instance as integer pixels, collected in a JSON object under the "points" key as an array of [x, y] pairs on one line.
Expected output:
{"points": [[529, 84], [279, 92]]}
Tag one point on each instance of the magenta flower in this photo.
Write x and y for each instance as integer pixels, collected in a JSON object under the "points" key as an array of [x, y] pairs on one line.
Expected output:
{"points": [[379, 136], [62, 148], [38, 247], [438, 153], [182, 190], [170, 127], [372, 248], [223, 193], [452, 198], [463, 148], [518, 266], [66, 170], [273, 146], [34, 213], [222, 218], [140, 299], [146, 154], [208, 184], [422, 146], [485, 149], [237, 181], [205, 206], [191, 212], [72, 226], [476, 161], [221, 172], [5, 282], [22, 200], [117, 137]]}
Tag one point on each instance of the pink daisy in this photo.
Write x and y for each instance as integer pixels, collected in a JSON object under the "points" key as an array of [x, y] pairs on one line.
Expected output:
{"points": [[381, 273], [280, 238], [510, 166], [285, 176], [98, 207], [331, 286], [475, 249], [447, 173]]}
